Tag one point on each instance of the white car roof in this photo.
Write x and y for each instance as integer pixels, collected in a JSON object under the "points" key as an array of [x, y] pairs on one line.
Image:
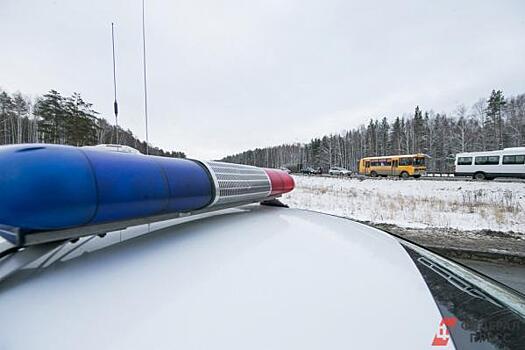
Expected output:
{"points": [[505, 151], [251, 278]]}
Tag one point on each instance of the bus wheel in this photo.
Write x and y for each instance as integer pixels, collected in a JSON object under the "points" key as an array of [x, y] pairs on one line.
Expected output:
{"points": [[404, 175], [417, 176], [373, 174], [479, 176]]}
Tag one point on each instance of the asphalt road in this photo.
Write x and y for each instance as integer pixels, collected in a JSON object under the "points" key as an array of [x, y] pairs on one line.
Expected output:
{"points": [[510, 275]]}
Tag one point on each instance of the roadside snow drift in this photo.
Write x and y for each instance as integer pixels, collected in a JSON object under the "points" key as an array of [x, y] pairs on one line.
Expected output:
{"points": [[462, 205]]}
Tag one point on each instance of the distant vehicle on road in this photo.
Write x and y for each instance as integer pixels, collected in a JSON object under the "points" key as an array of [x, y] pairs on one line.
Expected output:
{"points": [[405, 165], [310, 171], [283, 168], [509, 162], [339, 171]]}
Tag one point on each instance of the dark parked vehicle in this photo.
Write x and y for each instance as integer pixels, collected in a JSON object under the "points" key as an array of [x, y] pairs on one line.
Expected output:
{"points": [[310, 171]]}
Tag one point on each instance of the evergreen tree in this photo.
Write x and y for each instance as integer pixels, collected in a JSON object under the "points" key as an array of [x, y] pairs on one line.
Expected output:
{"points": [[81, 127], [395, 136], [418, 131], [371, 136], [383, 137], [494, 121], [51, 117]]}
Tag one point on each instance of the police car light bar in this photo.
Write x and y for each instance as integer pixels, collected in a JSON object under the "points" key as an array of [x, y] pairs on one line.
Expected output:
{"points": [[52, 192]]}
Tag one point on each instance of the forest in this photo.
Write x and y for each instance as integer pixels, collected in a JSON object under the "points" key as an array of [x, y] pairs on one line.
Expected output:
{"points": [[491, 123], [67, 120]]}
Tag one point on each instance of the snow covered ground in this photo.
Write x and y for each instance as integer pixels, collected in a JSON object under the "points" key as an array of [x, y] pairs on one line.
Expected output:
{"points": [[463, 205]]}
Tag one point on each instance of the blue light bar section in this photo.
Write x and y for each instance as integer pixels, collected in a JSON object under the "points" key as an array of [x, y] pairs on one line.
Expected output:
{"points": [[50, 187], [128, 185], [189, 183], [45, 187]]}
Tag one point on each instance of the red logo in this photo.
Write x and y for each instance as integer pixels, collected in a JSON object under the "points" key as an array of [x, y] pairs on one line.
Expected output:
{"points": [[442, 336]]}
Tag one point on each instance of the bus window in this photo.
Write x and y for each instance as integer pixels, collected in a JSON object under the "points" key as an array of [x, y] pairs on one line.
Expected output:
{"points": [[405, 161], [419, 161], [487, 160], [493, 160], [465, 161], [481, 160], [517, 159]]}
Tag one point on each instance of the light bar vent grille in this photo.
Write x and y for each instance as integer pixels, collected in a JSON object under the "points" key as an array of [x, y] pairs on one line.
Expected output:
{"points": [[239, 183]]}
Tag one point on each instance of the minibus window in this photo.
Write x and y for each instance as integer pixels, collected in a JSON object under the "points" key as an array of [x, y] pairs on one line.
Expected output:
{"points": [[465, 161], [490, 160], [517, 159]]}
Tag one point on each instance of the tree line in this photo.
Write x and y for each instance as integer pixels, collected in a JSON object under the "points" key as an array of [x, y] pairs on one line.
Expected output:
{"points": [[66, 120], [491, 123]]}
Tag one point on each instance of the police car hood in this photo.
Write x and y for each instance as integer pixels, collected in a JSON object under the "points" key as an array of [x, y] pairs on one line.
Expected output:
{"points": [[250, 278]]}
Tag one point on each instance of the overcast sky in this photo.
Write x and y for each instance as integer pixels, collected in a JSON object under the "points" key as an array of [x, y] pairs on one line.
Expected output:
{"points": [[226, 76]]}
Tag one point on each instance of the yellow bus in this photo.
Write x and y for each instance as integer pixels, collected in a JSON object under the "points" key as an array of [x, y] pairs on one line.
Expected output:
{"points": [[404, 165]]}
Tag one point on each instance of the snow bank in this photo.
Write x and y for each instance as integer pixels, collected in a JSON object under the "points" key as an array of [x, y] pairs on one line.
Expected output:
{"points": [[461, 205]]}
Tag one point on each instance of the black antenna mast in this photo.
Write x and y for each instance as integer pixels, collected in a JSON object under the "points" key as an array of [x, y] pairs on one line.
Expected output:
{"points": [[115, 104]]}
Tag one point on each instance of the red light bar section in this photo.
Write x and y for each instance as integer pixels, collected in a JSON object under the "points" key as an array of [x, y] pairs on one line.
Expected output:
{"points": [[281, 181]]}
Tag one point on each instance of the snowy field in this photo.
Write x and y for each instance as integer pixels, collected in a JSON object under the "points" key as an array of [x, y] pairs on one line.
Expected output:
{"points": [[463, 205]]}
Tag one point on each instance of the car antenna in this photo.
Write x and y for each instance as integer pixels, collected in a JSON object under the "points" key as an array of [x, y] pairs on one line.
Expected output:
{"points": [[145, 75], [115, 103]]}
